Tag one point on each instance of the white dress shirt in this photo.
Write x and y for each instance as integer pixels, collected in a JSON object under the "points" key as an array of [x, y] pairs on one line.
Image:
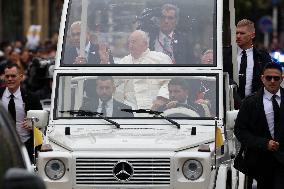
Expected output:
{"points": [[249, 70], [109, 107], [268, 109], [20, 112], [160, 47]]}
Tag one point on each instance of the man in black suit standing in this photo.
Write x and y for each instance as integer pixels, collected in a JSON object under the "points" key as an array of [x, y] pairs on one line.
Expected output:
{"points": [[105, 103], [17, 101], [250, 60], [166, 38], [94, 53], [260, 129]]}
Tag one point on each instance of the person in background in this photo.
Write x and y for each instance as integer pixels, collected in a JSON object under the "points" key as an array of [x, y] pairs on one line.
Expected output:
{"points": [[260, 129], [17, 102], [207, 57], [166, 38], [94, 53]]}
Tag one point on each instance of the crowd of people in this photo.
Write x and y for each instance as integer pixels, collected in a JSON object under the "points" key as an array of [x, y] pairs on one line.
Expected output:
{"points": [[36, 65], [25, 79]]}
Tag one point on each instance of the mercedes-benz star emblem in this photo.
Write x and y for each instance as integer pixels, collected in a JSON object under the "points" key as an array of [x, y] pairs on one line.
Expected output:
{"points": [[123, 171]]}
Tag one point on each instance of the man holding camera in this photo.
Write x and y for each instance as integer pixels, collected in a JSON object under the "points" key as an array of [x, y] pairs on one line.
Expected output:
{"points": [[166, 38]]}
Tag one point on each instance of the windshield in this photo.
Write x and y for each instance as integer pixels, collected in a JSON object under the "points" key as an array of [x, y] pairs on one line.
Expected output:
{"points": [[183, 96], [131, 32]]}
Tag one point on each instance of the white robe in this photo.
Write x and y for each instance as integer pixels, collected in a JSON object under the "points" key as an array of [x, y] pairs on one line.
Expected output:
{"points": [[140, 93]]}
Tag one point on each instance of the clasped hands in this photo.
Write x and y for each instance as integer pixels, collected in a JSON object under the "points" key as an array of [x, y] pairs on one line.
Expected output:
{"points": [[273, 146]]}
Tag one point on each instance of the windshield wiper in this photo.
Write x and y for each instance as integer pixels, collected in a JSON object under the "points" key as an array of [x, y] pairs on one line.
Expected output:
{"points": [[90, 113], [155, 113]]}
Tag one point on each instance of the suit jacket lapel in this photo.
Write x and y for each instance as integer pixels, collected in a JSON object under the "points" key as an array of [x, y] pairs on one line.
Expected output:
{"points": [[24, 98], [282, 110], [2, 91], [93, 55], [257, 68], [262, 115], [116, 108]]}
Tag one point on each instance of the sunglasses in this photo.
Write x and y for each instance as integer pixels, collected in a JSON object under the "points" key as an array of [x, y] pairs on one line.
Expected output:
{"points": [[275, 78]]}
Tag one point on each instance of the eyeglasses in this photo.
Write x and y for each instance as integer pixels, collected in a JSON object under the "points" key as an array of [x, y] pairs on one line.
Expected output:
{"points": [[275, 78]]}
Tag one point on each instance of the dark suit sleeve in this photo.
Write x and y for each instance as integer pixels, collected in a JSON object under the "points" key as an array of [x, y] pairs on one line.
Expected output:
{"points": [[245, 126], [227, 61], [117, 106], [34, 102]]}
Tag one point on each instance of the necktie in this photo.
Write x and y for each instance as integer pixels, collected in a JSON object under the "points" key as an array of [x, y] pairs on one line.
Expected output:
{"points": [[167, 46], [104, 108], [242, 74], [276, 110], [11, 107]]}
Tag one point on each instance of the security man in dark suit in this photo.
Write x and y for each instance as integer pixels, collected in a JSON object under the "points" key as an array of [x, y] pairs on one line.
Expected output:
{"points": [[260, 129], [94, 53], [17, 101], [250, 60], [105, 103]]}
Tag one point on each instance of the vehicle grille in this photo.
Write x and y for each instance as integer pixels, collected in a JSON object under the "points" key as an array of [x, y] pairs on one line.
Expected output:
{"points": [[99, 171]]}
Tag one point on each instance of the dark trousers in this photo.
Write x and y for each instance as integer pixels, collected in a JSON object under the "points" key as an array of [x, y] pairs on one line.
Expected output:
{"points": [[30, 148], [272, 179]]}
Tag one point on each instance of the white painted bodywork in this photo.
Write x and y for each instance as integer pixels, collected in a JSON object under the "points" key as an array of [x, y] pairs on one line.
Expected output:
{"points": [[139, 138]]}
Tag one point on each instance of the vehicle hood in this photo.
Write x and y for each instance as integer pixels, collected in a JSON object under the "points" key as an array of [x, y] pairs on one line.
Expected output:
{"points": [[132, 139]]}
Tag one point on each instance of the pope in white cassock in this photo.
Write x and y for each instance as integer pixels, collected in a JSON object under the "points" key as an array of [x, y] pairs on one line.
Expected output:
{"points": [[144, 93]]}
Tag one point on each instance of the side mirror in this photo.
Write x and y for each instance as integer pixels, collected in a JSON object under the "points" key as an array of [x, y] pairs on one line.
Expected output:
{"points": [[41, 117], [231, 118], [20, 178]]}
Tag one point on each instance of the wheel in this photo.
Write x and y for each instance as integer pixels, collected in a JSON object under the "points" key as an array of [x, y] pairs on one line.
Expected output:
{"points": [[180, 112]]}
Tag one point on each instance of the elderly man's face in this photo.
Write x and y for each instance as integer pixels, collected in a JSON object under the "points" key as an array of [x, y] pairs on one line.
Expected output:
{"points": [[75, 32], [136, 45], [168, 21]]}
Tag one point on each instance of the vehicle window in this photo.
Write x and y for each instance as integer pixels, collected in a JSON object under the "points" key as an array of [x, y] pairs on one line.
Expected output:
{"points": [[104, 33], [176, 96]]}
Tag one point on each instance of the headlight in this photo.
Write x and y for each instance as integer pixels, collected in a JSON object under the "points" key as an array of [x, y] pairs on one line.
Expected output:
{"points": [[55, 169], [192, 169]]}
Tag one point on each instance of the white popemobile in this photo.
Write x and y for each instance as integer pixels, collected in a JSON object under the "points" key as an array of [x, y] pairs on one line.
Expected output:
{"points": [[171, 144]]}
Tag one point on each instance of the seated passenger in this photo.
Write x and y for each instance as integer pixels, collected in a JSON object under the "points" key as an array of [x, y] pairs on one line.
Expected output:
{"points": [[179, 97], [144, 93], [94, 53], [207, 57], [105, 103], [138, 44]]}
